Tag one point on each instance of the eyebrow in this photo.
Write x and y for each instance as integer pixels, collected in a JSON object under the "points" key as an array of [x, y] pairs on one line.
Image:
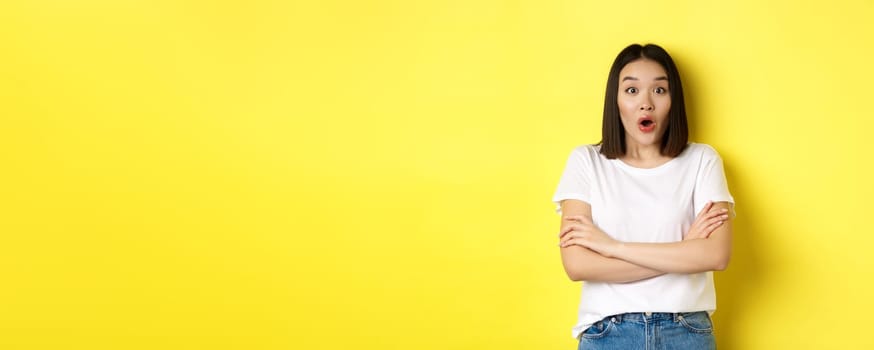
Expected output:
{"points": [[634, 78]]}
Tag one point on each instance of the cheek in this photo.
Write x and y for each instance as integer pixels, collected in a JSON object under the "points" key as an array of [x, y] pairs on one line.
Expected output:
{"points": [[626, 107], [665, 106]]}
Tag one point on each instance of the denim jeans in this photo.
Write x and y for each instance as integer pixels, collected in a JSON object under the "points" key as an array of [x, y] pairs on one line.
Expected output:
{"points": [[650, 331]]}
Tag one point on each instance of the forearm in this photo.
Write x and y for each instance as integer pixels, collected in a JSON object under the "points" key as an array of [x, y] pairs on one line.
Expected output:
{"points": [[690, 256], [582, 264], [706, 247]]}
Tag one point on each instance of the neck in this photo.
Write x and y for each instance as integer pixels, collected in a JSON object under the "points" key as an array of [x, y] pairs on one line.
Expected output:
{"points": [[644, 156], [643, 152]]}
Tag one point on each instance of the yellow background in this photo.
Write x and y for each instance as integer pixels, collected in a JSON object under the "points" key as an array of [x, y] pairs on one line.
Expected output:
{"points": [[377, 174]]}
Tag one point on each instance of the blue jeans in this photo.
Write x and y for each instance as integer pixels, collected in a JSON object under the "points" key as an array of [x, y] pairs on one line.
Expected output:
{"points": [[650, 331]]}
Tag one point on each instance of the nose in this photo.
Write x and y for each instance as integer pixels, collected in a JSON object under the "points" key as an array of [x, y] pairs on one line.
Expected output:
{"points": [[646, 105]]}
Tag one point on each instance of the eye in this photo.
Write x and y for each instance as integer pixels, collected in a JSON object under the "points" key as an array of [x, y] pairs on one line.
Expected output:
{"points": [[660, 90], [631, 90]]}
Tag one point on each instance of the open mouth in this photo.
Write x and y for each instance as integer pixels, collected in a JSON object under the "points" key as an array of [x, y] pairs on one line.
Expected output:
{"points": [[646, 124]]}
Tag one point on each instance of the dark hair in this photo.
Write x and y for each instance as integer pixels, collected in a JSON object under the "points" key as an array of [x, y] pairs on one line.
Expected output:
{"points": [[613, 134]]}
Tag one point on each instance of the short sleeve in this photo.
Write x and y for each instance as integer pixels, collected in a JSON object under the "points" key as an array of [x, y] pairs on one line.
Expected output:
{"points": [[710, 185], [575, 180]]}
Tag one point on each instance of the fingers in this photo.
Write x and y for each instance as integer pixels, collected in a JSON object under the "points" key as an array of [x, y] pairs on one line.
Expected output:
{"points": [[572, 227], [697, 233], [580, 223], [713, 224], [703, 228], [721, 217], [702, 215], [565, 238], [575, 239], [572, 242], [574, 232], [705, 217], [705, 231], [566, 230], [706, 209], [716, 219]]}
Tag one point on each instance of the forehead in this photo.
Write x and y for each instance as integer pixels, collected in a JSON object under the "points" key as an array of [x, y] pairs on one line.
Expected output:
{"points": [[642, 69]]}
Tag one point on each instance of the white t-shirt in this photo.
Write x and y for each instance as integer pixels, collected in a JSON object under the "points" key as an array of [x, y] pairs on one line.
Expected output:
{"points": [[645, 205]]}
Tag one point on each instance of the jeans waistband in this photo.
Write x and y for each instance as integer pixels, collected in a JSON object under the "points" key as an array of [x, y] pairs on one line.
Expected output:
{"points": [[651, 316]]}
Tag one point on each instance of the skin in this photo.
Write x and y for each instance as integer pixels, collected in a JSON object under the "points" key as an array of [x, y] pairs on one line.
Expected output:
{"points": [[589, 254], [643, 91]]}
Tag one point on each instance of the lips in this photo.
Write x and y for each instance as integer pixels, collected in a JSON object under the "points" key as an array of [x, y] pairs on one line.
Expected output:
{"points": [[646, 124]]}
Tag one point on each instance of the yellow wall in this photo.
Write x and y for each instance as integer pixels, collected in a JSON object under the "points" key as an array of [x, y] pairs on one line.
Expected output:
{"points": [[377, 174]]}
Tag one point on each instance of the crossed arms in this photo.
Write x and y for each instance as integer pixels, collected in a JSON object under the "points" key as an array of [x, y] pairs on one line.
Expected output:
{"points": [[589, 254]]}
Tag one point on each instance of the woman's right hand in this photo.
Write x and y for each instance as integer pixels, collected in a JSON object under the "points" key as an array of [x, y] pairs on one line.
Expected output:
{"points": [[706, 222]]}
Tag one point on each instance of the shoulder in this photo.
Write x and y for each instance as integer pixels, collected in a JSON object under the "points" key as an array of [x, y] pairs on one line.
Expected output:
{"points": [[584, 157], [586, 151]]}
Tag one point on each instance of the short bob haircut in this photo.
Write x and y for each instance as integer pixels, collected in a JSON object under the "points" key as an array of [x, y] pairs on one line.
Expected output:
{"points": [[613, 134]]}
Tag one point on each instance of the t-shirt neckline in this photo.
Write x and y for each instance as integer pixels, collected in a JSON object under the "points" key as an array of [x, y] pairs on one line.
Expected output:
{"points": [[656, 170]]}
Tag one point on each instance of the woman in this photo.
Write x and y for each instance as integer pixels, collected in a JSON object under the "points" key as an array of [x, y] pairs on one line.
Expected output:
{"points": [[629, 227]]}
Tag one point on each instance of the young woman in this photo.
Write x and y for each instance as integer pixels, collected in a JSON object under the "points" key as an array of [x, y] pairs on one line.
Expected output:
{"points": [[646, 216]]}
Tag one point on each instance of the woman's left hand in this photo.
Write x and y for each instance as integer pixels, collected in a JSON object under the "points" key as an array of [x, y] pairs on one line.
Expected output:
{"points": [[583, 232]]}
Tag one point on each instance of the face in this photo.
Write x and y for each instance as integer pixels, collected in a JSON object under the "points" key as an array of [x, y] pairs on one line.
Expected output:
{"points": [[644, 101]]}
